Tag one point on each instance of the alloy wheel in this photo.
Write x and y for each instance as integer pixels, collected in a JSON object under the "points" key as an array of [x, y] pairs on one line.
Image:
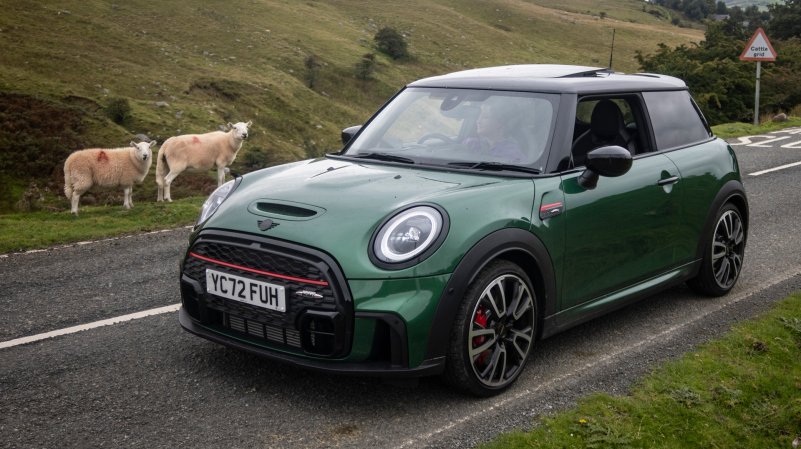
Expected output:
{"points": [[727, 249], [501, 331]]}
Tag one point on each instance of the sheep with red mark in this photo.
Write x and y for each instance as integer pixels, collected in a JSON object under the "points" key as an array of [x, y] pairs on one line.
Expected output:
{"points": [[106, 167], [198, 152]]}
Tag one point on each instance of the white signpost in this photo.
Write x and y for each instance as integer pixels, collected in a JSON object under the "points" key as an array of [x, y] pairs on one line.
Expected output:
{"points": [[758, 49]]}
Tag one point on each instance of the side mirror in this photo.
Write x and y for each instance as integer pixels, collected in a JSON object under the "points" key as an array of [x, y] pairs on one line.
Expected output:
{"points": [[608, 161], [349, 133]]}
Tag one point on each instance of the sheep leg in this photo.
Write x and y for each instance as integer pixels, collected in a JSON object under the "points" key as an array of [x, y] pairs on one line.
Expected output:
{"points": [[78, 189], [220, 176], [160, 196], [127, 203], [167, 181], [76, 198]]}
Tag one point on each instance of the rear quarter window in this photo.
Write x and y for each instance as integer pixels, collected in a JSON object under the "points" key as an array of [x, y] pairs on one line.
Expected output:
{"points": [[675, 120]]}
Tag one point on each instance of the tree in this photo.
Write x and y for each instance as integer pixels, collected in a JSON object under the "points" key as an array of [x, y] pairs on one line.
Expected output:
{"points": [[722, 85], [390, 42], [785, 20]]}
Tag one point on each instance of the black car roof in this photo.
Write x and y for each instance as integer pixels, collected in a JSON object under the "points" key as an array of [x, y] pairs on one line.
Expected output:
{"points": [[552, 78]]}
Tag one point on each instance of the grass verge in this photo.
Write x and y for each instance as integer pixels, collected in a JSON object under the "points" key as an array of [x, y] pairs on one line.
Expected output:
{"points": [[737, 129], [24, 231], [742, 391]]}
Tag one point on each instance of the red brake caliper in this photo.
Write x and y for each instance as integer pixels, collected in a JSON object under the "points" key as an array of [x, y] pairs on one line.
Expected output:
{"points": [[481, 320]]}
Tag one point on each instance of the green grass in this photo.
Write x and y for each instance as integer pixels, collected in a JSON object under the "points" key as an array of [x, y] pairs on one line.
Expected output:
{"points": [[728, 130], [743, 391], [32, 230]]}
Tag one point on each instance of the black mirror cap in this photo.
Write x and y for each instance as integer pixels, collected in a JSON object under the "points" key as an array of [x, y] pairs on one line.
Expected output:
{"points": [[609, 161], [348, 133]]}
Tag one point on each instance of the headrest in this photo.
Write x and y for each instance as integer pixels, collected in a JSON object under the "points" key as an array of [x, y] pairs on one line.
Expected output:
{"points": [[606, 119]]}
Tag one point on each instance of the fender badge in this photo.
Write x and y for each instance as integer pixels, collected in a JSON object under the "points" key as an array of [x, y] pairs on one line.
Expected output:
{"points": [[551, 210], [266, 224]]}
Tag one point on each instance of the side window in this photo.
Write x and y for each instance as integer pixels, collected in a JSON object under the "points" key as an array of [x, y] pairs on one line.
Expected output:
{"points": [[604, 121], [676, 121]]}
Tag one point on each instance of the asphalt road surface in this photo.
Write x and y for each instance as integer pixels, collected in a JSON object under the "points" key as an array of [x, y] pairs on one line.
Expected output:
{"points": [[147, 383]]}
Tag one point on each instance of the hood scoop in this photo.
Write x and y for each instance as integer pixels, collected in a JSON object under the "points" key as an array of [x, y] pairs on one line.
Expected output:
{"points": [[286, 210]]}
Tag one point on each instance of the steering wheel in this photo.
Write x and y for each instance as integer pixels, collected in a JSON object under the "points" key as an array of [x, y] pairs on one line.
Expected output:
{"points": [[435, 136]]}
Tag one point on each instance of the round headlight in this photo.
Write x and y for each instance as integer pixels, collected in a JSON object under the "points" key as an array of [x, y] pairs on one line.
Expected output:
{"points": [[215, 200], [408, 235]]}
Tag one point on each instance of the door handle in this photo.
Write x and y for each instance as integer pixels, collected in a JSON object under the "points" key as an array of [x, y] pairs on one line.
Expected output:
{"points": [[667, 181]]}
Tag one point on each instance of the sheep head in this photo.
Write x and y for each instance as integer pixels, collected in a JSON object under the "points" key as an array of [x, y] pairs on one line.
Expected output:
{"points": [[240, 129], [142, 150]]}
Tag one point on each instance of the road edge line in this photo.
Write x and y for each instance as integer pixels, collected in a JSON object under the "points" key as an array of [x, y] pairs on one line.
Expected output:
{"points": [[88, 326]]}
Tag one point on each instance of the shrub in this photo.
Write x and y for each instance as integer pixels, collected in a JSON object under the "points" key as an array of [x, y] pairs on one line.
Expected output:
{"points": [[365, 67], [119, 110], [390, 42], [312, 64]]}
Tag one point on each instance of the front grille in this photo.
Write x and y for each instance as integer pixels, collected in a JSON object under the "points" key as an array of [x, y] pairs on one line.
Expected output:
{"points": [[312, 282]]}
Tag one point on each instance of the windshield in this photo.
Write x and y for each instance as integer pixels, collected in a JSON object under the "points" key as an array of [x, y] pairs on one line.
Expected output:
{"points": [[462, 128]]}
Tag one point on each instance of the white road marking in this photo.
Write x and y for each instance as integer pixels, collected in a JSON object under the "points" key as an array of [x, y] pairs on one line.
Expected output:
{"points": [[781, 167], [83, 327], [419, 440], [762, 143]]}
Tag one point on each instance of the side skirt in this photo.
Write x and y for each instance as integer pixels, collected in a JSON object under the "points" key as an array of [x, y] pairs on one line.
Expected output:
{"points": [[593, 309]]}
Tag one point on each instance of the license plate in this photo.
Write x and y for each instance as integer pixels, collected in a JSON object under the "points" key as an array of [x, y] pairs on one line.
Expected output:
{"points": [[248, 291]]}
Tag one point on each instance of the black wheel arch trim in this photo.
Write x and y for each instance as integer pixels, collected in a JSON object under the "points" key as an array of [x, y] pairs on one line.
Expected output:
{"points": [[732, 190], [491, 247]]}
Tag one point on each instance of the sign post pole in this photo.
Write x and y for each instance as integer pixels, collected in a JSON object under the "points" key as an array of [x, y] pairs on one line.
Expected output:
{"points": [[758, 49], [756, 96]]}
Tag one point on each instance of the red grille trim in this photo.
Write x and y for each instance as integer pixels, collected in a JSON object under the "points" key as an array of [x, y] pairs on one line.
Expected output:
{"points": [[261, 272]]}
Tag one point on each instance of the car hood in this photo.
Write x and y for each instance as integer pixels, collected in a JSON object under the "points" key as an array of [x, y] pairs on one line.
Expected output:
{"points": [[336, 205]]}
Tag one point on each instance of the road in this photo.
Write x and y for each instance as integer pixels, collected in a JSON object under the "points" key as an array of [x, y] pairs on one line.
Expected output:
{"points": [[147, 383]]}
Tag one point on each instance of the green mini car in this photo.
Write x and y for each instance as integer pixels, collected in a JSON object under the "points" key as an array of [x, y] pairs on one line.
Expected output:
{"points": [[474, 214]]}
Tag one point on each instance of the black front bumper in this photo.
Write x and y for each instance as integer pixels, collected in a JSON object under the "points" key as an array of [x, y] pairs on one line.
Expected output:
{"points": [[368, 368]]}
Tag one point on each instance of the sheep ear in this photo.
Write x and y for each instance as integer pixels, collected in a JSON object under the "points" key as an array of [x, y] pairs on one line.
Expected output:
{"points": [[230, 125], [249, 123], [133, 144], [152, 143]]}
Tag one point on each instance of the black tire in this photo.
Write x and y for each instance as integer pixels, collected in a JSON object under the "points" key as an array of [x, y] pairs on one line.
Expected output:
{"points": [[723, 254], [493, 332]]}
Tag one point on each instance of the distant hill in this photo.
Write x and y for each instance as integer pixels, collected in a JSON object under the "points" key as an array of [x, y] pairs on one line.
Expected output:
{"points": [[183, 66], [745, 3]]}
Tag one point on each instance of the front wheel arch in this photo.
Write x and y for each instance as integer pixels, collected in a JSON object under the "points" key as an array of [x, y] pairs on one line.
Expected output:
{"points": [[513, 244], [494, 330]]}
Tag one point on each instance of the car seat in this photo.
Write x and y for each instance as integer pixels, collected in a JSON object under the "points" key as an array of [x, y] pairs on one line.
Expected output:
{"points": [[606, 128]]}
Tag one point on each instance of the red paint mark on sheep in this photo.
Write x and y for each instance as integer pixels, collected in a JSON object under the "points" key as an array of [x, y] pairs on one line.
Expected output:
{"points": [[195, 139], [102, 156]]}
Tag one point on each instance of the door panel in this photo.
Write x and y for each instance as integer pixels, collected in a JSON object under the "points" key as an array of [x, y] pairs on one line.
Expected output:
{"points": [[621, 232]]}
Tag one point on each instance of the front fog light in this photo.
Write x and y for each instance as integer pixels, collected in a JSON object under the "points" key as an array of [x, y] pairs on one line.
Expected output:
{"points": [[408, 235], [216, 199]]}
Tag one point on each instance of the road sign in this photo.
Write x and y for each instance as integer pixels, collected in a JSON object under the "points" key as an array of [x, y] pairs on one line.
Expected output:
{"points": [[758, 48]]}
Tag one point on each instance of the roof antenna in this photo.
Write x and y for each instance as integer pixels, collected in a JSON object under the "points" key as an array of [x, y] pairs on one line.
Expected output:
{"points": [[612, 52]]}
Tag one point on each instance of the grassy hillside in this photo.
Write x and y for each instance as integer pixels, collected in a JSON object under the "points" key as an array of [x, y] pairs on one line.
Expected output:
{"points": [[193, 66]]}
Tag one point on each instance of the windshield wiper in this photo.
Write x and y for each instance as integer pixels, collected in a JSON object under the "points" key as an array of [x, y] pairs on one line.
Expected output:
{"points": [[495, 166], [383, 157]]}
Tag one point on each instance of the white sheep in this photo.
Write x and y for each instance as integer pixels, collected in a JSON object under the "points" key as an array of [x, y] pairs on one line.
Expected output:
{"points": [[198, 152], [106, 167]]}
